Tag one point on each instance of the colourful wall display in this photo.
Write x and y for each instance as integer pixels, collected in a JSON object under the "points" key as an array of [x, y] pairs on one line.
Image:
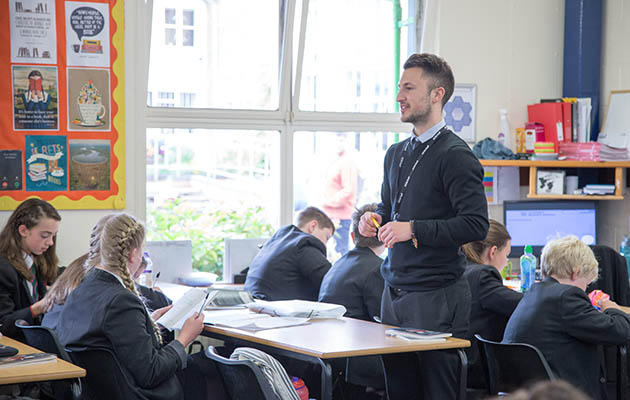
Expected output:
{"points": [[62, 124]]}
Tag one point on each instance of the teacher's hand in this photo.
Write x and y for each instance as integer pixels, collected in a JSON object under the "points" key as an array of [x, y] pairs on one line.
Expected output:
{"points": [[367, 227], [394, 232]]}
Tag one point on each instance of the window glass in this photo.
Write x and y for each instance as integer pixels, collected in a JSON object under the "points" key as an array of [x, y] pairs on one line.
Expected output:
{"points": [[189, 37], [189, 17], [169, 16], [348, 57], [208, 185], [338, 171], [230, 60]]}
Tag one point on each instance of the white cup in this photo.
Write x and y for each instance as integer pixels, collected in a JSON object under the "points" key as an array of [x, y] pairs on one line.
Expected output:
{"points": [[90, 112], [570, 184]]}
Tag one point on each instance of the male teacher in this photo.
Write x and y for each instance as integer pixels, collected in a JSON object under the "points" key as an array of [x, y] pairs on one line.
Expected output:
{"points": [[432, 202]]}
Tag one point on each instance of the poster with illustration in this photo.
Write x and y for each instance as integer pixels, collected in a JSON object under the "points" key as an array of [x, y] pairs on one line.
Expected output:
{"points": [[33, 31], [46, 163], [10, 170], [89, 164], [87, 34], [88, 99], [35, 98]]}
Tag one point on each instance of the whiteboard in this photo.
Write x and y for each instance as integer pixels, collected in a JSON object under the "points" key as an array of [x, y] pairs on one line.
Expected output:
{"points": [[617, 122]]}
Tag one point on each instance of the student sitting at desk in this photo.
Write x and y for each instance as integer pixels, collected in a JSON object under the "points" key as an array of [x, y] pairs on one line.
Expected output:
{"points": [[355, 282], [28, 261], [105, 312], [557, 317], [292, 264], [492, 303], [74, 273]]}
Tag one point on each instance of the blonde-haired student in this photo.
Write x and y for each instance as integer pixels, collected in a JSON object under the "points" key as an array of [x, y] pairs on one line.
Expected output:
{"points": [[28, 262], [105, 311], [557, 317], [492, 303]]}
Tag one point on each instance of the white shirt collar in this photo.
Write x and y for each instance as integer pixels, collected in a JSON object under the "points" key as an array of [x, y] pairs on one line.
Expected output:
{"points": [[429, 133], [27, 259], [114, 275]]}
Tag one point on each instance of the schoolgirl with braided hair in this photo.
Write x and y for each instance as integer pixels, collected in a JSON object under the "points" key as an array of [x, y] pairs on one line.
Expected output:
{"points": [[28, 262], [106, 312]]}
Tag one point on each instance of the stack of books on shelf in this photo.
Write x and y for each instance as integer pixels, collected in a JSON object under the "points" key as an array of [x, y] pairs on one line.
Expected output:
{"points": [[589, 151], [565, 120], [599, 189], [609, 153]]}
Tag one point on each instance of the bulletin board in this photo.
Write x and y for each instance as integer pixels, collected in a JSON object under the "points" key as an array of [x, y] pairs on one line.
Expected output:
{"points": [[62, 126]]}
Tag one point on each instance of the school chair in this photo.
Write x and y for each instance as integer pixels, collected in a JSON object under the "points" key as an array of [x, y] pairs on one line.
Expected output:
{"points": [[45, 339], [509, 366], [104, 379], [242, 379]]}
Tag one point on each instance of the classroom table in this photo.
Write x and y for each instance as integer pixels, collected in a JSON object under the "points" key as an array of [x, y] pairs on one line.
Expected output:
{"points": [[323, 340], [36, 372]]}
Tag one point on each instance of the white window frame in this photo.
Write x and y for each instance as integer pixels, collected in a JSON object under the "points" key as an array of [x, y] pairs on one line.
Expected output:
{"points": [[287, 120]]}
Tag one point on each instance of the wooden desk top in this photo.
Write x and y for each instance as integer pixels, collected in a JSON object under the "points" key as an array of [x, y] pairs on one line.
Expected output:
{"points": [[36, 372], [334, 338]]}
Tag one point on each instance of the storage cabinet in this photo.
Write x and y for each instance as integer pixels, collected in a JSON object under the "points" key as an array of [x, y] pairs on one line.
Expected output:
{"points": [[533, 166]]}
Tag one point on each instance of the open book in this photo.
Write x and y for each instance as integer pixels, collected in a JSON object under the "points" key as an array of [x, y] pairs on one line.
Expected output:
{"points": [[423, 335], [27, 359], [193, 300], [298, 308]]}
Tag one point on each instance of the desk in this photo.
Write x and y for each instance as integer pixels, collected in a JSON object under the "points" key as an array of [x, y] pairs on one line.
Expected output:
{"points": [[37, 372], [326, 339]]}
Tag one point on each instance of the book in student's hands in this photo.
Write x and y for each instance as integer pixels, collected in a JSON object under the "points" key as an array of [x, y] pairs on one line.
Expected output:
{"points": [[418, 334], [27, 359], [192, 301]]}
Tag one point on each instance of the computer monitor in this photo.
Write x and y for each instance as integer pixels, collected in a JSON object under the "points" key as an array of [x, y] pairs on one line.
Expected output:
{"points": [[535, 222]]}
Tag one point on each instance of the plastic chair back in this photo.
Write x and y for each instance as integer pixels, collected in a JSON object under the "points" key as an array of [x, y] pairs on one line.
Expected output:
{"points": [[509, 366], [242, 379], [45, 339], [105, 378]]}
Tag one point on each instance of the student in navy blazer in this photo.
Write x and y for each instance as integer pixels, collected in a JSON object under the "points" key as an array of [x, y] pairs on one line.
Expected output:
{"points": [[28, 262], [557, 317], [492, 303], [105, 312]]}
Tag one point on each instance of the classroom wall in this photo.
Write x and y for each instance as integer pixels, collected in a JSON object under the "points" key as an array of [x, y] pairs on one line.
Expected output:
{"points": [[74, 232], [614, 215], [512, 50]]}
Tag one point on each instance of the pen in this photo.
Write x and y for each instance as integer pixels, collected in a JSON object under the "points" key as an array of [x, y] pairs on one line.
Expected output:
{"points": [[378, 226], [203, 304]]}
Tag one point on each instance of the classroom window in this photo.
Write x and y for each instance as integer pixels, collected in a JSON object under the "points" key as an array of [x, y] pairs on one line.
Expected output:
{"points": [[189, 17], [244, 93], [322, 162], [169, 37], [207, 185], [169, 16], [189, 37], [234, 60]]}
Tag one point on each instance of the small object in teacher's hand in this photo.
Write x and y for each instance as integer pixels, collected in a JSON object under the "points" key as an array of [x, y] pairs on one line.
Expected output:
{"points": [[376, 224]]}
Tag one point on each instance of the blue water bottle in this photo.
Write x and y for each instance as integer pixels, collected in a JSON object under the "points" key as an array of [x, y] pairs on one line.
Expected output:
{"points": [[624, 249], [528, 269]]}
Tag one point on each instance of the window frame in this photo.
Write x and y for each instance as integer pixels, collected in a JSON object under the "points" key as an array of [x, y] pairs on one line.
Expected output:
{"points": [[287, 119]]}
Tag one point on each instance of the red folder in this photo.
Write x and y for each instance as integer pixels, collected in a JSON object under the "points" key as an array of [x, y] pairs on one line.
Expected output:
{"points": [[550, 115]]}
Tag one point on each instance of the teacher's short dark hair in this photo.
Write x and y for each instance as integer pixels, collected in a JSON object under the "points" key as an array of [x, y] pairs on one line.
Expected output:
{"points": [[437, 69]]}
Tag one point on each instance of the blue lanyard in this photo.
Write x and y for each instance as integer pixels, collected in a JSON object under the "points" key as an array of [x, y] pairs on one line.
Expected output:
{"points": [[402, 192]]}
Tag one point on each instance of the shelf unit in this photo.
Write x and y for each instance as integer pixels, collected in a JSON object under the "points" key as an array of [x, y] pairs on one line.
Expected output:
{"points": [[533, 166]]}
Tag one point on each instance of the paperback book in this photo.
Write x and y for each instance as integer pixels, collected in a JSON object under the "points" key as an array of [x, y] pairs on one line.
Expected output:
{"points": [[27, 359], [418, 334]]}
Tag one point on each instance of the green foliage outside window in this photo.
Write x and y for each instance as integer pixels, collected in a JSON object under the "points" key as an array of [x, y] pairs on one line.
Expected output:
{"points": [[178, 220]]}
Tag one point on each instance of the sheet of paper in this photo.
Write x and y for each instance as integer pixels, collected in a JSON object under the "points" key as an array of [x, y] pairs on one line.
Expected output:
{"points": [[183, 308], [298, 308], [244, 319]]}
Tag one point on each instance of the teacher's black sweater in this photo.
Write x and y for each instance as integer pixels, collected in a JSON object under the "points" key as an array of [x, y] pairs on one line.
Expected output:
{"points": [[446, 199]]}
